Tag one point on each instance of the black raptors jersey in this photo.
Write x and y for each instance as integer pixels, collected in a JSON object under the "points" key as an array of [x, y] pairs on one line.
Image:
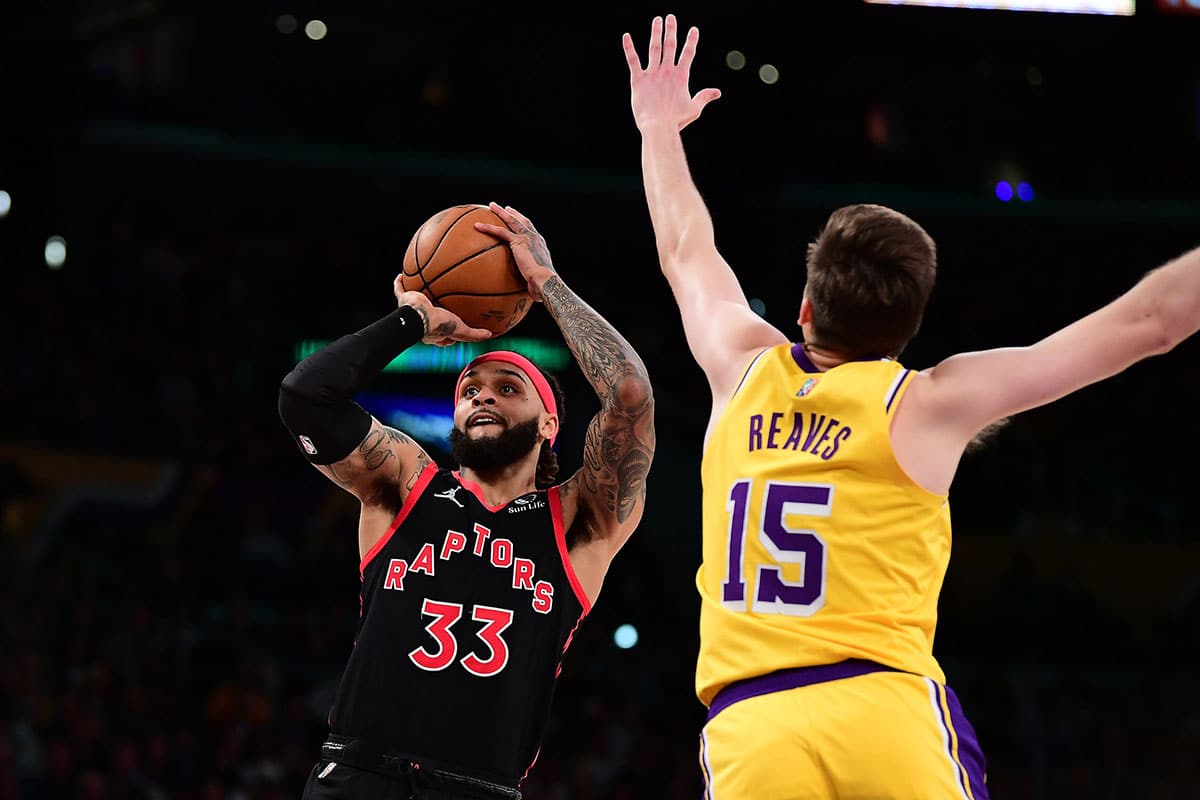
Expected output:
{"points": [[466, 613]]}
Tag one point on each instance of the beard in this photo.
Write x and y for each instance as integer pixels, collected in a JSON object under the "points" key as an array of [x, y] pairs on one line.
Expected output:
{"points": [[489, 453]]}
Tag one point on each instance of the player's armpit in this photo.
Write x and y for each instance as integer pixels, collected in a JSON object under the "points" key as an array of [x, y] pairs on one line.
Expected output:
{"points": [[382, 470]]}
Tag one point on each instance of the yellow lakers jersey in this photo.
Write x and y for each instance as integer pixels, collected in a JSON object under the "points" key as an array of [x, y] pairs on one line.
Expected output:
{"points": [[818, 547]]}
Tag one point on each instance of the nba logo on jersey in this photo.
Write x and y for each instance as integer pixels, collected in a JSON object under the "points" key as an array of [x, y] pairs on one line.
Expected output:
{"points": [[807, 388], [308, 446]]}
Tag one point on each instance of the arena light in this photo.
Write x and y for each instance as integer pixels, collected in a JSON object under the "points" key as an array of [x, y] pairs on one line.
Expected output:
{"points": [[1178, 6], [452, 358], [285, 24], [625, 637], [1025, 192], [56, 252], [1004, 191], [735, 60], [5, 203], [316, 30], [768, 74], [428, 420], [758, 306], [1123, 8]]}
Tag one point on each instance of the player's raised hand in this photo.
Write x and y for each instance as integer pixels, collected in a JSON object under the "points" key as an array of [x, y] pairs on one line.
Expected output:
{"points": [[442, 327], [528, 246], [659, 93]]}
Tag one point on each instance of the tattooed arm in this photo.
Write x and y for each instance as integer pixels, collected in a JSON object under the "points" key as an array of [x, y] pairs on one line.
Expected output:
{"points": [[382, 470], [378, 465], [608, 494], [385, 466], [619, 444]]}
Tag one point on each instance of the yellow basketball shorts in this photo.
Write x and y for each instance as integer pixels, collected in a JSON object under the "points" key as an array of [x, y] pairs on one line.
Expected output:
{"points": [[852, 731]]}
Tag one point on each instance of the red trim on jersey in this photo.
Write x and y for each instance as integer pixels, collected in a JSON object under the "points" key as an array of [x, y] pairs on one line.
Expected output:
{"points": [[422, 481], [530, 767], [477, 490], [558, 668], [560, 536]]}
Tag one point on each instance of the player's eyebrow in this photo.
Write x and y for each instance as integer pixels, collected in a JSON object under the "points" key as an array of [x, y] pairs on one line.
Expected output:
{"points": [[514, 373], [475, 373]]}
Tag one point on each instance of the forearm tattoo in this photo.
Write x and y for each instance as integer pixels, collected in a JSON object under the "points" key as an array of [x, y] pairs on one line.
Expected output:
{"points": [[441, 331], [620, 440]]}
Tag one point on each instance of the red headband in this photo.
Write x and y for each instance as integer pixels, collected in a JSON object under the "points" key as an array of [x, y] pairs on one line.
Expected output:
{"points": [[517, 360]]}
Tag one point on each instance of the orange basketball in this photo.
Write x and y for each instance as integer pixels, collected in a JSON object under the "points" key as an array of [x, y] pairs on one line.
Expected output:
{"points": [[466, 272]]}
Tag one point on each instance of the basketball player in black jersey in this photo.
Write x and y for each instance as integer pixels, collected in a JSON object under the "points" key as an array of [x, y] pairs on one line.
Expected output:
{"points": [[473, 580]]}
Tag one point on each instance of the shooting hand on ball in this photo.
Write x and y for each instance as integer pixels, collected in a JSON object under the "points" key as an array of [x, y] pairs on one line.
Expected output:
{"points": [[441, 326], [528, 246]]}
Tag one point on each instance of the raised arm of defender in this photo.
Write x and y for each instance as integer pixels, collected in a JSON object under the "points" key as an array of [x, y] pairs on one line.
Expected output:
{"points": [[723, 332], [602, 502]]}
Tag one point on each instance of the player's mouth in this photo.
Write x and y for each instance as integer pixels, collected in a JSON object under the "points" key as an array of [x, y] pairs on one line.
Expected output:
{"points": [[482, 419]]}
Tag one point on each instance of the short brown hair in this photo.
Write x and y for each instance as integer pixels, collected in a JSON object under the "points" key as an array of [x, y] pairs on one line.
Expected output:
{"points": [[870, 273]]}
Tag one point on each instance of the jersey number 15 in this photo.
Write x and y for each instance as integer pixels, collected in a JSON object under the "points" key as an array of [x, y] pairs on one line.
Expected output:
{"points": [[784, 544]]}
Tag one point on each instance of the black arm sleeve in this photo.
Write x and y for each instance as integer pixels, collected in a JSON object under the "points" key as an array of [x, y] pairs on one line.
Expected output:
{"points": [[315, 398]]}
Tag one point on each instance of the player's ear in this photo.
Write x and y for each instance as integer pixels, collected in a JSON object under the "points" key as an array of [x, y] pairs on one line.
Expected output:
{"points": [[805, 311], [549, 426]]}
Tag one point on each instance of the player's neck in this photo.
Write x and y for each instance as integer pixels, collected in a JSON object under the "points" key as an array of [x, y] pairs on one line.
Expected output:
{"points": [[502, 485], [823, 358]]}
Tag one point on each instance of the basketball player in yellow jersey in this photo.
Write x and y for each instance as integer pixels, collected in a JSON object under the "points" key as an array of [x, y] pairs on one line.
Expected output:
{"points": [[826, 470]]}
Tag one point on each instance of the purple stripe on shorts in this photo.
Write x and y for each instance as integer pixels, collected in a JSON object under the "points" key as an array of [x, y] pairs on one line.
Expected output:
{"points": [[950, 736], [970, 755], [786, 679], [708, 790]]}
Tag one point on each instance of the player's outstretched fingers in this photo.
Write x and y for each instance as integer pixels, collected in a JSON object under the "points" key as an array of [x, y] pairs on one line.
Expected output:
{"points": [[689, 50], [655, 57], [505, 214], [521, 218], [465, 333], [631, 56], [503, 234], [670, 41]]}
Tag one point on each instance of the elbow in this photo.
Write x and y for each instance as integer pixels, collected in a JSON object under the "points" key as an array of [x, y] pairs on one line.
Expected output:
{"points": [[1164, 337], [632, 394], [668, 255], [1165, 328], [293, 394], [293, 383], [305, 384], [1178, 318], [692, 239], [668, 263]]}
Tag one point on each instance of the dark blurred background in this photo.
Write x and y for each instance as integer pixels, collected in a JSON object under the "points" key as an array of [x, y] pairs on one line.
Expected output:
{"points": [[179, 588]]}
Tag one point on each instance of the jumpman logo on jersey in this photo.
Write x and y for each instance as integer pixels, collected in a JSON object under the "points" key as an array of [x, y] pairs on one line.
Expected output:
{"points": [[449, 495]]}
